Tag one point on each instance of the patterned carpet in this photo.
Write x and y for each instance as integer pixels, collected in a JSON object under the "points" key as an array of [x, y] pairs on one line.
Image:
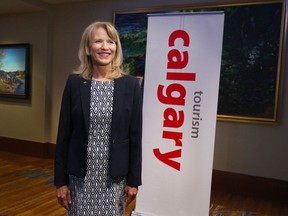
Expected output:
{"points": [[225, 213], [219, 210], [214, 211]]}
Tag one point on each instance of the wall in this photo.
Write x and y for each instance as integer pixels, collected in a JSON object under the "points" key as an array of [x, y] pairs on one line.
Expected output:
{"points": [[26, 120], [253, 149]]}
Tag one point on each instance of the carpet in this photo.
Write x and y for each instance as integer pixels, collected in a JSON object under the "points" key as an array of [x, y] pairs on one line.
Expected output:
{"points": [[219, 210]]}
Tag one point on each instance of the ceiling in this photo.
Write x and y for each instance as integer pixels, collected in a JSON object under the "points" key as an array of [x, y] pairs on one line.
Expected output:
{"points": [[23, 6]]}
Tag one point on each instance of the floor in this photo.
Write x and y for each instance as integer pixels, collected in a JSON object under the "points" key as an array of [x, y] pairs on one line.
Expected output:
{"points": [[26, 188]]}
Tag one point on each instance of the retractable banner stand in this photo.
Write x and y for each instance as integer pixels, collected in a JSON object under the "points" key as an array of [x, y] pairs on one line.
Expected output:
{"points": [[183, 60]]}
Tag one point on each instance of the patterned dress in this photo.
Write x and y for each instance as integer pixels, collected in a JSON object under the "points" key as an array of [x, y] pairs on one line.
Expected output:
{"points": [[98, 194]]}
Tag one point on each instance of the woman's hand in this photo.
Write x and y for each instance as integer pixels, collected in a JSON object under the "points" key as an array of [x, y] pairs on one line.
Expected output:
{"points": [[131, 194], [63, 196]]}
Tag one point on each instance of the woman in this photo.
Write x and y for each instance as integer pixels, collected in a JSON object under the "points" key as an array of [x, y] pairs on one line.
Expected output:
{"points": [[98, 151]]}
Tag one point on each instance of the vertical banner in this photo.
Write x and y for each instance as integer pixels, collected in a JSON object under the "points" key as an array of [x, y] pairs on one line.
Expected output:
{"points": [[183, 60]]}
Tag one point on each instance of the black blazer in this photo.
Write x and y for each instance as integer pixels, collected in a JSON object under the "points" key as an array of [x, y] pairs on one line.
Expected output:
{"points": [[126, 130]]}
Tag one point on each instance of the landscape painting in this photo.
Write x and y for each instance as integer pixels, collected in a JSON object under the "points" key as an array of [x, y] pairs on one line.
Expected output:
{"points": [[252, 55], [14, 70]]}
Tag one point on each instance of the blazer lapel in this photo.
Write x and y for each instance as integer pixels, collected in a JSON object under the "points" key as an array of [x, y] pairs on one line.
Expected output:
{"points": [[119, 89], [85, 87]]}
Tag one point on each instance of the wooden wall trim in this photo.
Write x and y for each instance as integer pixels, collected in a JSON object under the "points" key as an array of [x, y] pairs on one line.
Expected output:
{"points": [[29, 148], [235, 183], [247, 185]]}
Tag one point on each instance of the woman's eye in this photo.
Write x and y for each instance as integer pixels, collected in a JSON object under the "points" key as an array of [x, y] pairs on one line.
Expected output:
{"points": [[111, 42], [106, 41]]}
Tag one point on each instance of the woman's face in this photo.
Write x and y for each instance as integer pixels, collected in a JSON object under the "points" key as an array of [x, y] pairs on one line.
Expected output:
{"points": [[102, 48]]}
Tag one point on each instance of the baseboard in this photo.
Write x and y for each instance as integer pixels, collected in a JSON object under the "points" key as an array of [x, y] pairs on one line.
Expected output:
{"points": [[29, 148], [235, 183], [252, 186]]}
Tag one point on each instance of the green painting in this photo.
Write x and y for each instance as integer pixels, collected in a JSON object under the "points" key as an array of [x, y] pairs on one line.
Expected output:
{"points": [[252, 49]]}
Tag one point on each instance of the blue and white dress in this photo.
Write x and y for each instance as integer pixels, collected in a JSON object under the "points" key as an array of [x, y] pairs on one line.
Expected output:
{"points": [[98, 194]]}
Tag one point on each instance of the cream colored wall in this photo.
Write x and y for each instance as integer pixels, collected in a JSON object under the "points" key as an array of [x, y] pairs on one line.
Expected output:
{"points": [[253, 149], [26, 120]]}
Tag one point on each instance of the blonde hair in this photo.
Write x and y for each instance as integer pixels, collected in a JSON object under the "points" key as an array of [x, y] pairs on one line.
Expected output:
{"points": [[86, 67]]}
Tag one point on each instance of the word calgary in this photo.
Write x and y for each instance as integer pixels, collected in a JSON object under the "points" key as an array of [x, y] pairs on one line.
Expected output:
{"points": [[174, 96]]}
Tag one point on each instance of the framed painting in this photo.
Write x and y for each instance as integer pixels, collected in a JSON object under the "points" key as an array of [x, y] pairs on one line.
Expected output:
{"points": [[252, 56], [14, 70]]}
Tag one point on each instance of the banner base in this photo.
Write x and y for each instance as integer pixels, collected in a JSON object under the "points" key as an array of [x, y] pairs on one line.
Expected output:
{"points": [[134, 213]]}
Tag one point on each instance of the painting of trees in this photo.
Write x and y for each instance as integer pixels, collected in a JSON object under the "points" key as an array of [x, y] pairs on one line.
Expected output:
{"points": [[250, 68]]}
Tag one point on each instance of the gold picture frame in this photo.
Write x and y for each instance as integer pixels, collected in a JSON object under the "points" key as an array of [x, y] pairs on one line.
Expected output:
{"points": [[252, 57]]}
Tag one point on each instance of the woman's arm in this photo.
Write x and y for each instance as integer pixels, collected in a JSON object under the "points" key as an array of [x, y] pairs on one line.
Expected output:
{"points": [[60, 175], [135, 166]]}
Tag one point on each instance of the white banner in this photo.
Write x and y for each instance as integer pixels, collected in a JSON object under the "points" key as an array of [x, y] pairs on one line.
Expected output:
{"points": [[183, 60]]}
